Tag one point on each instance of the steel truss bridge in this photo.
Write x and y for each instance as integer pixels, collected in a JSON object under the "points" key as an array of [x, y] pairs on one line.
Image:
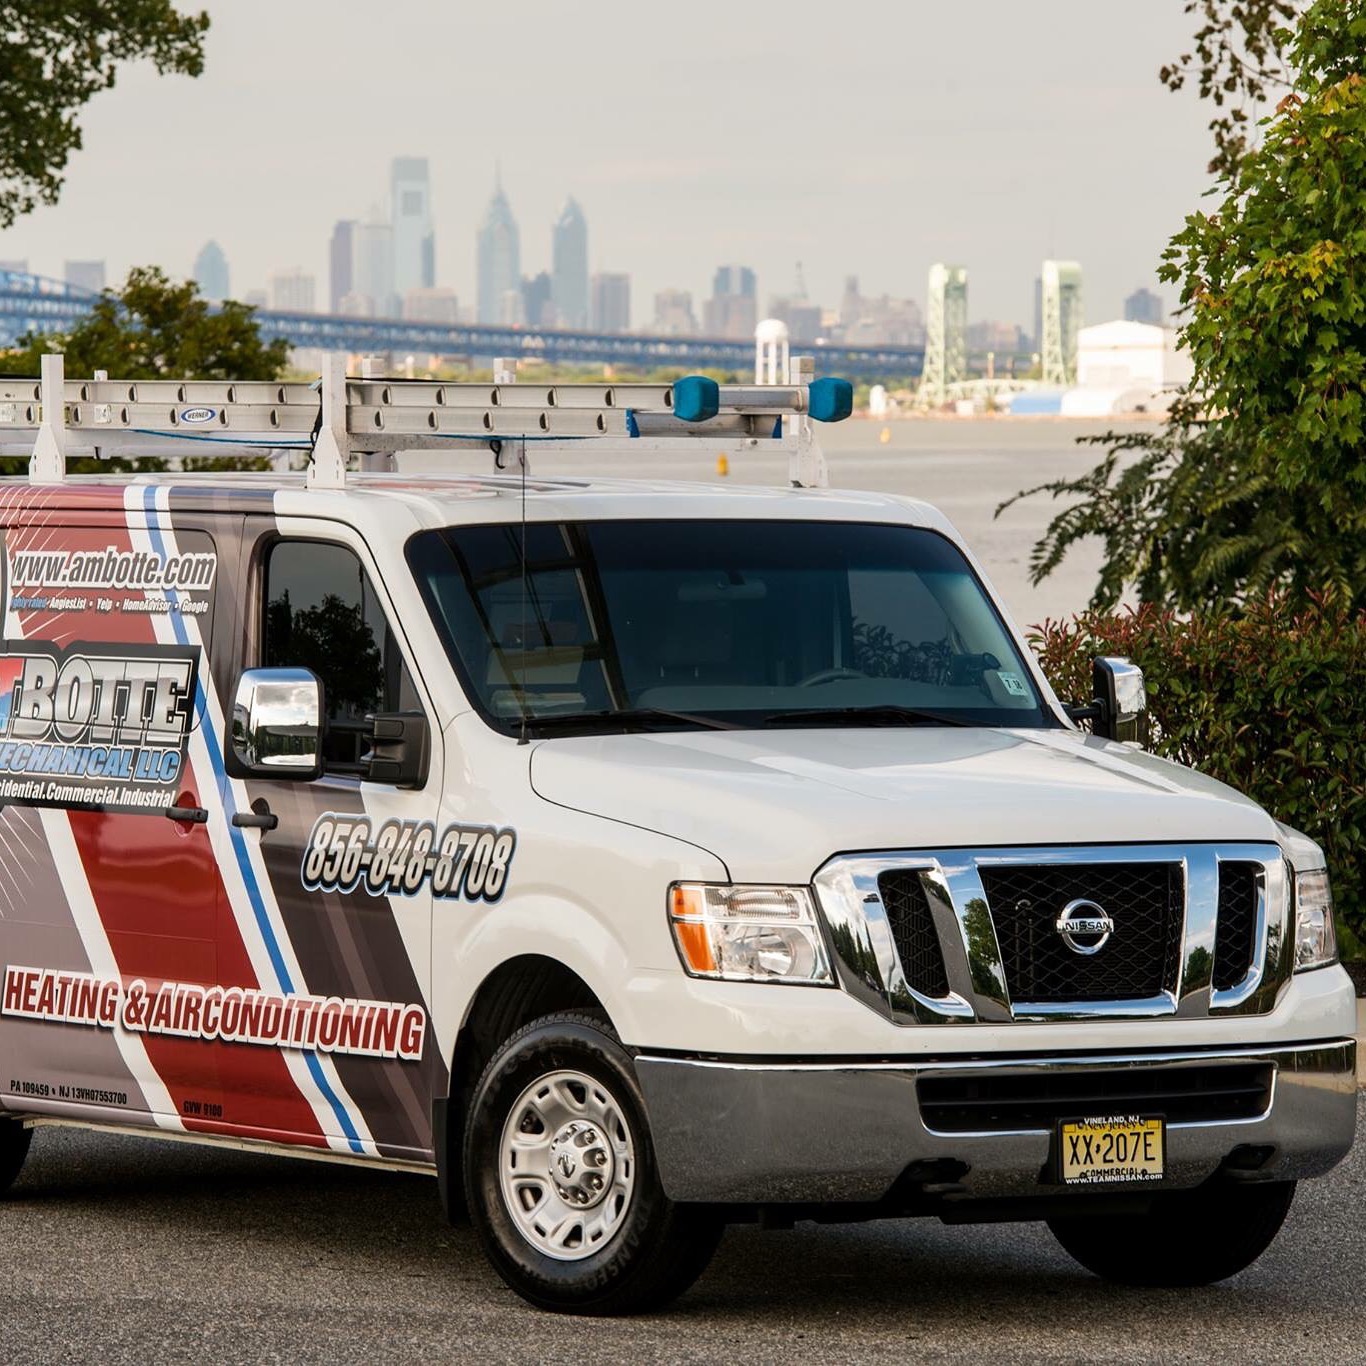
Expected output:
{"points": [[34, 303]]}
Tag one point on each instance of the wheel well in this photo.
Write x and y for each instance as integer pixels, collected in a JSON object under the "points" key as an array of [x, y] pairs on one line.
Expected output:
{"points": [[514, 994]]}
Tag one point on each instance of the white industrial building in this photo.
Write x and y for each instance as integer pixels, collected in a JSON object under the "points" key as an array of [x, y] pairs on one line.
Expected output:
{"points": [[1125, 367]]}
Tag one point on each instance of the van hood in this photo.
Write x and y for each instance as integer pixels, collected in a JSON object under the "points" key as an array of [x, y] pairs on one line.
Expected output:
{"points": [[775, 805]]}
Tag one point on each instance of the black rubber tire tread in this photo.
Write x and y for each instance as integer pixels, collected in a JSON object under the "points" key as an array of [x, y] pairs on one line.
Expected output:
{"points": [[14, 1145], [1188, 1238], [662, 1247]]}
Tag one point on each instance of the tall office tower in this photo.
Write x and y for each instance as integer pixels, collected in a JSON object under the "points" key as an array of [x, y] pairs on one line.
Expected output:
{"points": [[1143, 306], [499, 260], [673, 313], [410, 213], [372, 266], [851, 304], [569, 267], [1062, 319], [211, 271], [292, 291], [340, 256], [85, 275], [733, 309], [537, 309], [946, 351], [611, 310]]}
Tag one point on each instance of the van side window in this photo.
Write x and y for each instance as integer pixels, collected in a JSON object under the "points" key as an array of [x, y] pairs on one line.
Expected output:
{"points": [[321, 613]]}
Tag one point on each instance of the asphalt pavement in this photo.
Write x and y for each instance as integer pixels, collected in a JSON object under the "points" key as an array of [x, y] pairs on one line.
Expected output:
{"points": [[117, 1249]]}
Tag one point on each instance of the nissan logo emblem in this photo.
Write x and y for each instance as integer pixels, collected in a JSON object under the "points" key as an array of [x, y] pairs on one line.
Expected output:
{"points": [[1084, 926]]}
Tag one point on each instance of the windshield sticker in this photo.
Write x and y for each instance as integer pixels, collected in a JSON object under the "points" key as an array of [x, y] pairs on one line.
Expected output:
{"points": [[217, 1014], [1013, 684], [84, 728], [403, 857]]}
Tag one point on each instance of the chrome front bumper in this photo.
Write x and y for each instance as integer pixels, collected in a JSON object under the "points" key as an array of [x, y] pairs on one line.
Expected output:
{"points": [[763, 1132]]}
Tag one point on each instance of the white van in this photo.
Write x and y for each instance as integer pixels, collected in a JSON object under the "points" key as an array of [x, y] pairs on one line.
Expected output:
{"points": [[635, 857]]}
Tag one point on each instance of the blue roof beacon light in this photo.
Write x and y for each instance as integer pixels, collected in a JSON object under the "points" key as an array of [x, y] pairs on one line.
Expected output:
{"points": [[696, 398], [830, 400]]}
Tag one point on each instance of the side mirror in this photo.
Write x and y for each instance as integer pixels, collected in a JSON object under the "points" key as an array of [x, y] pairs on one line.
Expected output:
{"points": [[277, 725], [1119, 707]]}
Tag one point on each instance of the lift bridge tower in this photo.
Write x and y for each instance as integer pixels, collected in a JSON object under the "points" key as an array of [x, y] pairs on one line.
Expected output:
{"points": [[1062, 319], [946, 334]]}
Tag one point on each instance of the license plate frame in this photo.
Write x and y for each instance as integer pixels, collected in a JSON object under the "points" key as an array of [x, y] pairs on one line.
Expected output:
{"points": [[1089, 1151]]}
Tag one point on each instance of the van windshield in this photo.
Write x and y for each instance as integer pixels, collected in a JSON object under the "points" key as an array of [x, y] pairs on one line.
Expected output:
{"points": [[673, 624]]}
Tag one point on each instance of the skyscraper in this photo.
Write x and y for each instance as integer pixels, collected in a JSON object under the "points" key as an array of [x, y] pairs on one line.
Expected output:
{"points": [[292, 291], [372, 266], [1143, 306], [537, 292], [340, 252], [499, 260], [569, 267], [410, 213], [611, 302], [211, 272], [673, 313], [733, 309], [85, 275]]}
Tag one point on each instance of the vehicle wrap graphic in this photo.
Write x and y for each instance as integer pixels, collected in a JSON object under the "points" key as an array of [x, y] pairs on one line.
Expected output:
{"points": [[120, 898], [467, 861], [87, 726], [109, 579], [374, 1029]]}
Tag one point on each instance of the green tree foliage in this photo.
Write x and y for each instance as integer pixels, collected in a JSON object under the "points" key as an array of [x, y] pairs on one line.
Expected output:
{"points": [[1258, 481], [1270, 699], [1238, 63], [154, 328], [54, 56]]}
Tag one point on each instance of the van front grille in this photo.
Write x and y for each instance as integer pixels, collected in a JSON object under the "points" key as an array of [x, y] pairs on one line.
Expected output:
{"points": [[1139, 960], [1202, 1093], [913, 932], [1235, 938]]}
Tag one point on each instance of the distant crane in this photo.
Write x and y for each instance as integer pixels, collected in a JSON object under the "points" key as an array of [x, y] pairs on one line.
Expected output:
{"points": [[946, 338], [1062, 319]]}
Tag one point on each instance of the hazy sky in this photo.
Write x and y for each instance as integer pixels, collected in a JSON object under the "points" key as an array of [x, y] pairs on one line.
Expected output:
{"points": [[867, 138]]}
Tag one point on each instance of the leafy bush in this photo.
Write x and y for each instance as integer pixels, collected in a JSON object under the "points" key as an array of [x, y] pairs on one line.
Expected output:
{"points": [[1271, 700]]}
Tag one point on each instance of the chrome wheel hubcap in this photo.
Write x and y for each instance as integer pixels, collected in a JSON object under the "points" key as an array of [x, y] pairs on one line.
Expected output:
{"points": [[567, 1165]]}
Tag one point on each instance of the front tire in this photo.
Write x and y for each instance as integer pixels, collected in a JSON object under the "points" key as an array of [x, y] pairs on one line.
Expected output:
{"points": [[561, 1180], [14, 1144], [1188, 1238]]}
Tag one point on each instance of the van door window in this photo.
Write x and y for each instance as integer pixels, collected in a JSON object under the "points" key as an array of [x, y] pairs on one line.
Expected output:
{"points": [[321, 613]]}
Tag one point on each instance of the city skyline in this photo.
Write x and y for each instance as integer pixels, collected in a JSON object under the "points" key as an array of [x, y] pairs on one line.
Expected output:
{"points": [[1057, 140]]}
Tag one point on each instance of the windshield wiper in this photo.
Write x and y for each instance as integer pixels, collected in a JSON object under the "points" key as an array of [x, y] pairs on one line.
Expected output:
{"points": [[629, 719], [886, 714]]}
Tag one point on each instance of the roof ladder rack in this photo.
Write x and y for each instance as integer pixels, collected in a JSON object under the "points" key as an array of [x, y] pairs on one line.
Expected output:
{"points": [[328, 421]]}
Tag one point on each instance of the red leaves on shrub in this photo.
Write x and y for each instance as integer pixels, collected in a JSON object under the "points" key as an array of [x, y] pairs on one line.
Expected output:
{"points": [[1270, 699]]}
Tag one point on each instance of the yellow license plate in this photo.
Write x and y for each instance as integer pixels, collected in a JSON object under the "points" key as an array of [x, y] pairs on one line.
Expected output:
{"points": [[1112, 1148]]}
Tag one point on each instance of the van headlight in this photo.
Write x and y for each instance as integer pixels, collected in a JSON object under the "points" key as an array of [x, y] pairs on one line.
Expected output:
{"points": [[748, 933], [1316, 941]]}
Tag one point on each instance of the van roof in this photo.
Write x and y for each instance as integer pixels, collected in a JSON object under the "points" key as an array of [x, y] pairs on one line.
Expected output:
{"points": [[443, 499]]}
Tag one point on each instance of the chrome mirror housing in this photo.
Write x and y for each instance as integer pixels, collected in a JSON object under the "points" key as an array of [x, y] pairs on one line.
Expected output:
{"points": [[277, 725], [1119, 689]]}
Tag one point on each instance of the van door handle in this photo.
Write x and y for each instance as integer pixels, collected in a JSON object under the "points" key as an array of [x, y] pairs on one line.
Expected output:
{"points": [[260, 817], [191, 815]]}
